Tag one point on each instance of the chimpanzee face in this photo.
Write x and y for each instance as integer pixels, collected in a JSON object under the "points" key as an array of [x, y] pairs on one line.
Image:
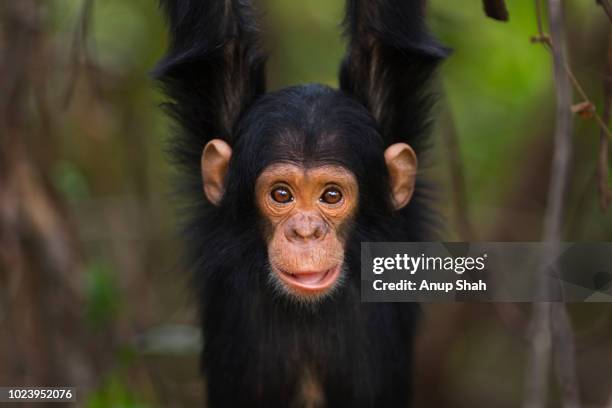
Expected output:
{"points": [[307, 211]]}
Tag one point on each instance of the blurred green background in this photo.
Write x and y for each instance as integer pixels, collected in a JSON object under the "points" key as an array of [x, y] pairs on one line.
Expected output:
{"points": [[91, 293]]}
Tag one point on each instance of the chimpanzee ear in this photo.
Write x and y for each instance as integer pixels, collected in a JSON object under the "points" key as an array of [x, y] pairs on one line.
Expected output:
{"points": [[215, 162], [402, 165]]}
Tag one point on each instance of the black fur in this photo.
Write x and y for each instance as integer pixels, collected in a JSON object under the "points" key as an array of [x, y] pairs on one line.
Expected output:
{"points": [[260, 346]]}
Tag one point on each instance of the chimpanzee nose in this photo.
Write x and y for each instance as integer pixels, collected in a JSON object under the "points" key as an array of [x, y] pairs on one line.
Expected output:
{"points": [[305, 227]]}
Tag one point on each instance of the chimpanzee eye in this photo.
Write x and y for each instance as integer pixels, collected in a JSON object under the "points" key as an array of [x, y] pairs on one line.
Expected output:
{"points": [[331, 196], [281, 195]]}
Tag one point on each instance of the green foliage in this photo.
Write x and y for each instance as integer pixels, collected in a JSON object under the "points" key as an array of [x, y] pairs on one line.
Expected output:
{"points": [[127, 34], [69, 179], [494, 84], [308, 47], [114, 393], [103, 294]]}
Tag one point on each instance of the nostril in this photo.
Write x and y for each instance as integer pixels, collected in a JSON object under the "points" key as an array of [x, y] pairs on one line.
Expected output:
{"points": [[319, 231], [305, 228], [301, 232], [296, 232]]}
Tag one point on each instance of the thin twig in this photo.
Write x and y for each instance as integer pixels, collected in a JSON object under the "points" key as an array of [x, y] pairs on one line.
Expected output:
{"points": [[545, 39], [550, 321], [602, 124], [536, 385], [79, 47], [457, 175], [565, 355], [538, 11], [573, 221], [606, 6], [603, 187]]}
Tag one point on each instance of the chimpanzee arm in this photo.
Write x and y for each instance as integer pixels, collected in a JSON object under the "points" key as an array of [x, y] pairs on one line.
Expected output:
{"points": [[391, 56], [213, 69]]}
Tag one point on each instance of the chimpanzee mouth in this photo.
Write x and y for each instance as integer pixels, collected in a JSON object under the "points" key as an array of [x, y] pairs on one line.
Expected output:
{"points": [[310, 281]]}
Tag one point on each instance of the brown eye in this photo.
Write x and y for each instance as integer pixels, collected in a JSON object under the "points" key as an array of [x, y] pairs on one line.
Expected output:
{"points": [[331, 196], [281, 195]]}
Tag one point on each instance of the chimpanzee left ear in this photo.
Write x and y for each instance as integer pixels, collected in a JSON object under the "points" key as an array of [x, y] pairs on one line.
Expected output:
{"points": [[215, 163], [402, 165]]}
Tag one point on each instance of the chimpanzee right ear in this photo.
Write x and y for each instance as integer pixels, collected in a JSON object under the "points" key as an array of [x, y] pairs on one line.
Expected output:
{"points": [[215, 163]]}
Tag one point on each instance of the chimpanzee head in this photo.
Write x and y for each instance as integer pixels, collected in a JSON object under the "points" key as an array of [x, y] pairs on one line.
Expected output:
{"points": [[310, 159]]}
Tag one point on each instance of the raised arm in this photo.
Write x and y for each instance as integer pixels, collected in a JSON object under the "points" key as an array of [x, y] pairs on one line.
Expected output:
{"points": [[213, 69], [391, 57]]}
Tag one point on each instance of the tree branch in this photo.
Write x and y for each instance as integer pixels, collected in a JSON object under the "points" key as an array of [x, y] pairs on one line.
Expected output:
{"points": [[544, 39], [550, 321]]}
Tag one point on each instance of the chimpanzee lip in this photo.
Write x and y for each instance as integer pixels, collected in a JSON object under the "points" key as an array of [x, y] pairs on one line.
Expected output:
{"points": [[310, 281]]}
